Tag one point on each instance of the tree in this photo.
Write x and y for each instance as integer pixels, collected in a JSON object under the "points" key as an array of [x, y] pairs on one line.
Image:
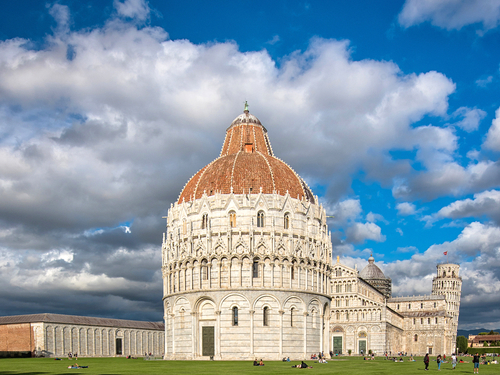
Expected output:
{"points": [[461, 344]]}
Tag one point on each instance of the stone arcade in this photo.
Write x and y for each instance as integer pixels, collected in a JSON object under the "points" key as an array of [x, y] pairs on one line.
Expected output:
{"points": [[247, 270]]}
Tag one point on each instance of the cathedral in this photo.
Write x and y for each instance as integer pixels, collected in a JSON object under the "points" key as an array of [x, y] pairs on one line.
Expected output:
{"points": [[248, 271]]}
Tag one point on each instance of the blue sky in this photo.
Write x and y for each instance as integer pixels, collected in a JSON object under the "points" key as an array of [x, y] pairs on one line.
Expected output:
{"points": [[389, 110]]}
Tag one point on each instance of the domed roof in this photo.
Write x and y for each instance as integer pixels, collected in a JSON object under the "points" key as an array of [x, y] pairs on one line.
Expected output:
{"points": [[371, 271], [246, 165]]}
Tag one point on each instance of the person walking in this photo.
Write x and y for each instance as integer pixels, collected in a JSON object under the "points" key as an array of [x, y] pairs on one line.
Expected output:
{"points": [[453, 361], [475, 360], [438, 360], [426, 361]]}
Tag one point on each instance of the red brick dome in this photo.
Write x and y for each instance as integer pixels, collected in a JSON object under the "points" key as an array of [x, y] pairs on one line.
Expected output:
{"points": [[246, 165]]}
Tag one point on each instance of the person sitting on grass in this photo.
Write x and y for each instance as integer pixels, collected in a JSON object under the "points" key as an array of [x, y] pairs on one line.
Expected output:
{"points": [[255, 363], [261, 363], [302, 365]]}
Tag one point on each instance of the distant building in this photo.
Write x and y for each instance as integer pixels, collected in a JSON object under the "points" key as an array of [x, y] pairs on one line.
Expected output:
{"points": [[54, 335], [477, 341], [247, 270]]}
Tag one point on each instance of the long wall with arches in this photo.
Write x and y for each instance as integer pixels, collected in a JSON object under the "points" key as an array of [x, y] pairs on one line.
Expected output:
{"points": [[55, 335]]}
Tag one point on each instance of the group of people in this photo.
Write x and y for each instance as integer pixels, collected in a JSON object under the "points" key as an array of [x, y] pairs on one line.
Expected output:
{"points": [[71, 355], [257, 363], [476, 360]]}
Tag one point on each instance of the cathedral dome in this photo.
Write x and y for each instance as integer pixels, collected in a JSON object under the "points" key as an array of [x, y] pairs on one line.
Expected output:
{"points": [[246, 165], [371, 271]]}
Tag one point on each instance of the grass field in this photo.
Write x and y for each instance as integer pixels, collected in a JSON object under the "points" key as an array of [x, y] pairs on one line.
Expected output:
{"points": [[344, 366]]}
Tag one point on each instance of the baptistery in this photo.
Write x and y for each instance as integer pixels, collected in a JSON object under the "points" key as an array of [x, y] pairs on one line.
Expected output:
{"points": [[246, 257]]}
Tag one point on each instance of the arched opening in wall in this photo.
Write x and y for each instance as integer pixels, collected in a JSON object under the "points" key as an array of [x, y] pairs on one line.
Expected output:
{"points": [[452, 273], [362, 341], [119, 346], [292, 272], [255, 268], [265, 316], [292, 313], [415, 338], [204, 270], [204, 221], [260, 219], [444, 273], [235, 316], [286, 221], [232, 219]]}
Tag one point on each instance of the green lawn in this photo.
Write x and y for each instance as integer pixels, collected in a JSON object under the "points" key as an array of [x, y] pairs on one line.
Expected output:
{"points": [[344, 366]]}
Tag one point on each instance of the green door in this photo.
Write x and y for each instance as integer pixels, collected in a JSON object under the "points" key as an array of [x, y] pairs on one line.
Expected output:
{"points": [[337, 345], [208, 340], [362, 346]]}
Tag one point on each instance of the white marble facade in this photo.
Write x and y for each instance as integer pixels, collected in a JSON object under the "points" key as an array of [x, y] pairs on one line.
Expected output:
{"points": [[249, 274]]}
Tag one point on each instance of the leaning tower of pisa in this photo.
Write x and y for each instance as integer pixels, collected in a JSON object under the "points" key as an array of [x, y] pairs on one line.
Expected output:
{"points": [[448, 283]]}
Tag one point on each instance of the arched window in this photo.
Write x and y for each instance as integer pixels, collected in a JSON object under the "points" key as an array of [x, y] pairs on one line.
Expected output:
{"points": [[292, 310], [292, 272], [255, 269], [232, 219], [260, 219], [265, 316], [416, 338], [286, 221], [235, 316], [204, 221]]}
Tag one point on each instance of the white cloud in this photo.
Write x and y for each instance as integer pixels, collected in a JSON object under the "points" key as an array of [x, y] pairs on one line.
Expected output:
{"points": [[471, 118], [484, 82], [372, 218], [112, 135], [61, 15], [406, 208], [485, 203], [493, 137], [137, 9], [360, 232], [400, 231], [275, 39], [345, 211], [451, 14]]}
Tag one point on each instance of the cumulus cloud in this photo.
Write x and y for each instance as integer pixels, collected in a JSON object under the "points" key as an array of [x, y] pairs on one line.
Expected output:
{"points": [[95, 143], [471, 118], [451, 14], [360, 232], [486, 203], [492, 141], [137, 9], [484, 82], [406, 208]]}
